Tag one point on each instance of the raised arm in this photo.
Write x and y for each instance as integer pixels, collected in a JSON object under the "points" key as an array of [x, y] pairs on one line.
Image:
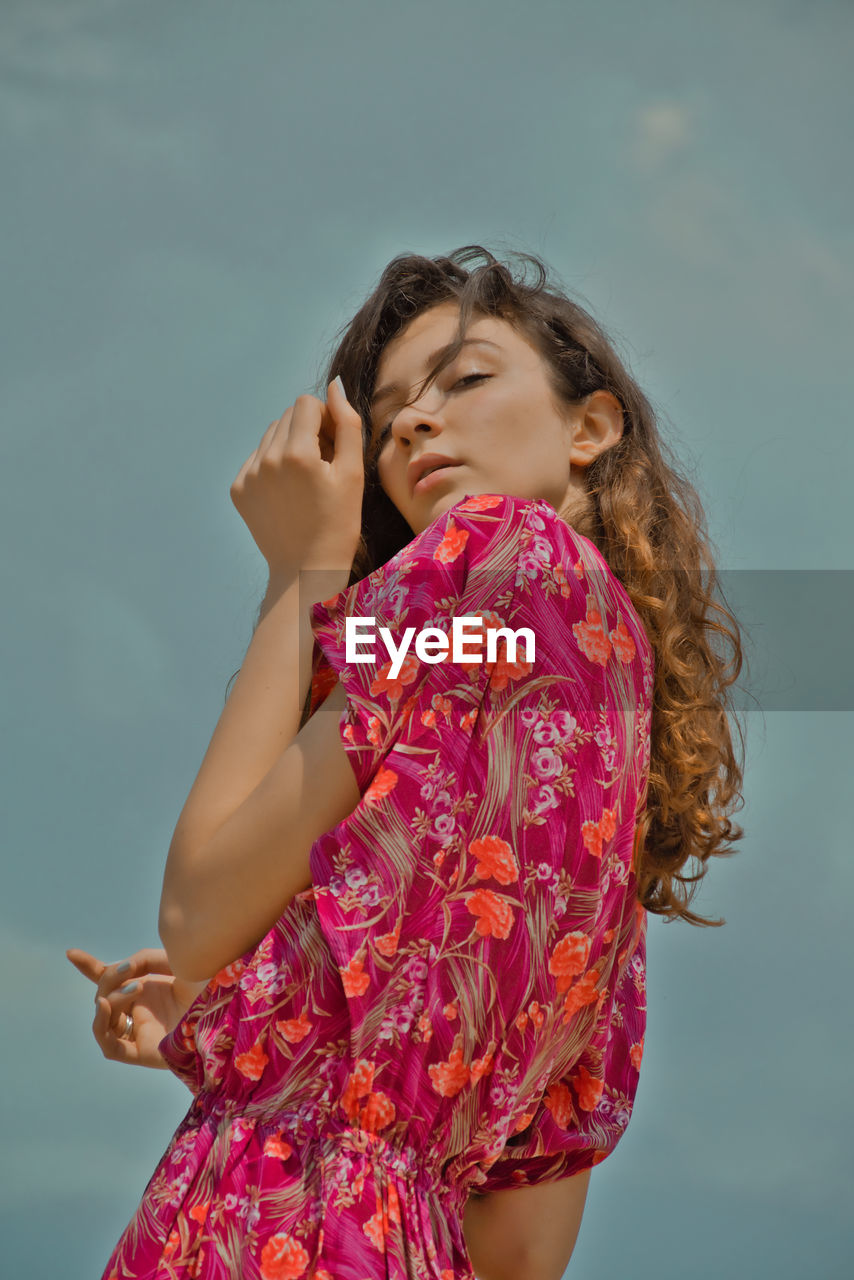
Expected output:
{"points": [[231, 847], [525, 1232]]}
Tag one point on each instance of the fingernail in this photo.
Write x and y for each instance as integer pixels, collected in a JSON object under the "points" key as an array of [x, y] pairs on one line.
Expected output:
{"points": [[340, 385], [123, 967], [129, 989]]}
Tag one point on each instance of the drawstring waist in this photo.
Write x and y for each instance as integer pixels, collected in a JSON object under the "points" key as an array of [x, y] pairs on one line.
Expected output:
{"points": [[316, 1134]]}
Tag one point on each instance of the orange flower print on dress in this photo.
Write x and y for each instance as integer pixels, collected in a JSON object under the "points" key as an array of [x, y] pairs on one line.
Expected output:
{"points": [[294, 1029], [378, 1111], [597, 834], [442, 706], [481, 502], [199, 1212], [392, 686], [494, 914], [583, 993], [171, 1245], [480, 1067], [356, 981], [383, 784], [358, 1086], [227, 977], [276, 1146], [377, 1226], [569, 958], [592, 641], [283, 1258], [474, 639], [386, 943], [624, 645], [588, 1089], [636, 1054], [503, 670], [467, 721], [252, 1063], [322, 683], [407, 709], [495, 858], [449, 1077], [523, 1121], [452, 544], [559, 1102]]}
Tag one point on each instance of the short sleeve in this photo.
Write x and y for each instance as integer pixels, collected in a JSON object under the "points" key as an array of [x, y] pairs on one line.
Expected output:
{"points": [[465, 559], [479, 900], [587, 1104]]}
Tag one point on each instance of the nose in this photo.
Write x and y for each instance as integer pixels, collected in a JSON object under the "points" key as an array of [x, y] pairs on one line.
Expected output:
{"points": [[417, 418]]}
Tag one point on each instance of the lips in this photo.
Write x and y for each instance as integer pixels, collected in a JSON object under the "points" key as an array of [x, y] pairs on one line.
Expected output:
{"points": [[425, 465]]}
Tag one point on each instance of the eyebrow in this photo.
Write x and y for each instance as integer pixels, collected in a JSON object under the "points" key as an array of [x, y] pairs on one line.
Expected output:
{"points": [[391, 388]]}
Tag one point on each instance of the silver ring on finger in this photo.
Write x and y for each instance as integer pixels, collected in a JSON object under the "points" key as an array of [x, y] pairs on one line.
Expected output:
{"points": [[128, 1031]]}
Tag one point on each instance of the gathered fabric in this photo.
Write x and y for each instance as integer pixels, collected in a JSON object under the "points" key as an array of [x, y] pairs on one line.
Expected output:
{"points": [[457, 1004]]}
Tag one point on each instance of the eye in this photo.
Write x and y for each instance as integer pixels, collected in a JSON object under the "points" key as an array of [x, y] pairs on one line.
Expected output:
{"points": [[468, 380], [471, 377]]}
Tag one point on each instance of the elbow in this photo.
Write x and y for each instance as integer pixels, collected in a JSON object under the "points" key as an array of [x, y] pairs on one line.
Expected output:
{"points": [[178, 931], [185, 961]]}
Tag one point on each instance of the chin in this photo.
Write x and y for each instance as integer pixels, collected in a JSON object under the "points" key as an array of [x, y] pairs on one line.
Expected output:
{"points": [[440, 504]]}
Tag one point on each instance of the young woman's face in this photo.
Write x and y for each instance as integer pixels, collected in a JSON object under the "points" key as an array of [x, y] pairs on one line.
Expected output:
{"points": [[491, 413]]}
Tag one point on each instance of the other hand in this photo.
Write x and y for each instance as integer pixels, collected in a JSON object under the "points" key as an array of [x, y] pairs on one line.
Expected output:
{"points": [[300, 492], [157, 1004]]}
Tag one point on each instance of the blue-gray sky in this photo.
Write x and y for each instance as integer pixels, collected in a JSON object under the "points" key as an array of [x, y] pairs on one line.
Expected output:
{"points": [[196, 197]]}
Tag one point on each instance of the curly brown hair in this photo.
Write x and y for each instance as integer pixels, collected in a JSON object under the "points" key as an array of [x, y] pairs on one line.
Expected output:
{"points": [[642, 514]]}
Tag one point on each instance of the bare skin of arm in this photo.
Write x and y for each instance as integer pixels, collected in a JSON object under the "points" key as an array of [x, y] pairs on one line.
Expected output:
{"points": [[239, 852], [525, 1232]]}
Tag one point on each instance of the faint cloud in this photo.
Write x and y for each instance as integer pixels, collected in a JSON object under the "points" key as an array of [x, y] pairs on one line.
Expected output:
{"points": [[663, 129], [120, 667], [49, 44], [64, 65], [47, 1167]]}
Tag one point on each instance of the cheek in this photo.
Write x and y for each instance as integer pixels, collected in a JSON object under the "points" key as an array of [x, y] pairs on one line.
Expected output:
{"points": [[389, 483]]}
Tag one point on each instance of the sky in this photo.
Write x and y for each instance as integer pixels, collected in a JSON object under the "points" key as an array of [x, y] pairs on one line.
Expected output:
{"points": [[196, 198]]}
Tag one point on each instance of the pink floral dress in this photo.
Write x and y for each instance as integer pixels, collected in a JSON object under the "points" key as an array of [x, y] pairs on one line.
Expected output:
{"points": [[457, 1004]]}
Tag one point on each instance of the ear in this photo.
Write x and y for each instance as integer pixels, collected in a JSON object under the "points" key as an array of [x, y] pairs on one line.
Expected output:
{"points": [[597, 427]]}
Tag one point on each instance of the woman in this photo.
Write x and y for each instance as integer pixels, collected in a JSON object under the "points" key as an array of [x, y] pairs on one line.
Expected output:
{"points": [[425, 1022]]}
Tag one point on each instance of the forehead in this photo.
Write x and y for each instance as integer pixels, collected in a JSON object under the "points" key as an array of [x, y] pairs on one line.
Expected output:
{"points": [[436, 328]]}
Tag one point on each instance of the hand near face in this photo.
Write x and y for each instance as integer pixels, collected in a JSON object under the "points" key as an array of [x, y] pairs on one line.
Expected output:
{"points": [[300, 492]]}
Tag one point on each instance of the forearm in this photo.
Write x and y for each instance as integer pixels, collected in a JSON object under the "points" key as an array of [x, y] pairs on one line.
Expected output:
{"points": [[259, 719], [221, 897], [259, 722]]}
